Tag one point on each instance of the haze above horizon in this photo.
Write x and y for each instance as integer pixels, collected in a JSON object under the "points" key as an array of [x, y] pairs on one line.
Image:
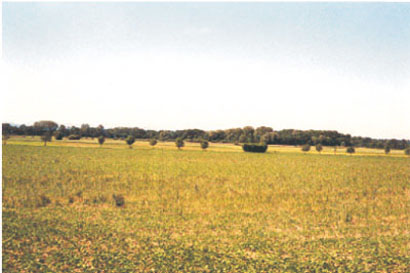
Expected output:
{"points": [[322, 66]]}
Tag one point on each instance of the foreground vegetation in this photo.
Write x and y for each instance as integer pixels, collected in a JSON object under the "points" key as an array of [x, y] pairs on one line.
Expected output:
{"points": [[74, 206]]}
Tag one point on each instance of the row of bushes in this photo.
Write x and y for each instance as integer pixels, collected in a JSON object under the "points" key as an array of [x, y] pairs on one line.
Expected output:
{"points": [[254, 148]]}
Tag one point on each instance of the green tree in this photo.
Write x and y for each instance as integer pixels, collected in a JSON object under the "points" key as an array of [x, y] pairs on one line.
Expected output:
{"points": [[153, 142], [45, 125], [350, 150], [204, 144], [387, 149], [407, 151], [130, 140], [179, 142], [306, 148], [46, 137], [5, 137], [319, 147], [101, 140]]}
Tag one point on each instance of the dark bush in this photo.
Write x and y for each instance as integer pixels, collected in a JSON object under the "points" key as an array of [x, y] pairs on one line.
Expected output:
{"points": [[119, 200], [350, 150], [130, 140], [204, 144], [306, 148], [74, 137], [407, 151], [101, 140], [44, 201], [153, 142], [179, 142], [254, 148], [58, 135]]}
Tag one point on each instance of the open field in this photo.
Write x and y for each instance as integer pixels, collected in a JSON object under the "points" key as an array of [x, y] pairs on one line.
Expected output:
{"points": [[220, 210]]}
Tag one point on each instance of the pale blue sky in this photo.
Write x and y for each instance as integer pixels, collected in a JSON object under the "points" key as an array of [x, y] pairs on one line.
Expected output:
{"points": [[341, 66]]}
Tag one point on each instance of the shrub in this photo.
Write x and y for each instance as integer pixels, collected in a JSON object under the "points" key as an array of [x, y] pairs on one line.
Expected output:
{"points": [[101, 140], [387, 149], [319, 147], [350, 150], [407, 151], [58, 135], [44, 201], [74, 137], [204, 144], [119, 200], [306, 148], [254, 148], [153, 142], [179, 142], [130, 140]]}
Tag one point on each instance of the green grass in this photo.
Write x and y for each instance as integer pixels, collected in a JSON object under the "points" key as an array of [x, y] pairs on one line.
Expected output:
{"points": [[219, 210]]}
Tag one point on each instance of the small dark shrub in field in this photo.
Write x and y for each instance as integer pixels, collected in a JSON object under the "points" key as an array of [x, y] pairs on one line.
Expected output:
{"points": [[119, 200], [386, 149], [130, 140], [58, 135], [44, 201], [350, 150], [70, 200], [348, 218], [153, 142], [407, 151], [101, 140], [204, 144], [74, 137], [79, 194], [179, 142], [306, 148], [319, 147], [254, 148]]}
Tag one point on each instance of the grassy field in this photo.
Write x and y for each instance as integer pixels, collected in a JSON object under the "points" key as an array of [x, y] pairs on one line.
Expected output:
{"points": [[220, 210]]}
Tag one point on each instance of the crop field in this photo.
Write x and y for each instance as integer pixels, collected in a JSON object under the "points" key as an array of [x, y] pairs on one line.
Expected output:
{"points": [[76, 207]]}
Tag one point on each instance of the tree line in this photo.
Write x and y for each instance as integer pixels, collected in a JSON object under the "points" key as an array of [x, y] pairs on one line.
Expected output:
{"points": [[247, 134]]}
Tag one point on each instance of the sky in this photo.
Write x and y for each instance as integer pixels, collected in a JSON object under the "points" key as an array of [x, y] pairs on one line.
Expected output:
{"points": [[330, 66]]}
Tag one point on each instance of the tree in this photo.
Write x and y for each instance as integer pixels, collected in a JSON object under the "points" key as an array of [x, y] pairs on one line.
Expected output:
{"points": [[243, 139], [101, 140], [407, 151], [130, 140], [204, 144], [179, 142], [46, 137], [306, 148], [153, 142], [350, 150], [5, 137], [45, 126], [319, 147], [387, 149]]}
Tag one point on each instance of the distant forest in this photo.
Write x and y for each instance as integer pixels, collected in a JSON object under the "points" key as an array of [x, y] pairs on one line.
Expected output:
{"points": [[246, 134]]}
